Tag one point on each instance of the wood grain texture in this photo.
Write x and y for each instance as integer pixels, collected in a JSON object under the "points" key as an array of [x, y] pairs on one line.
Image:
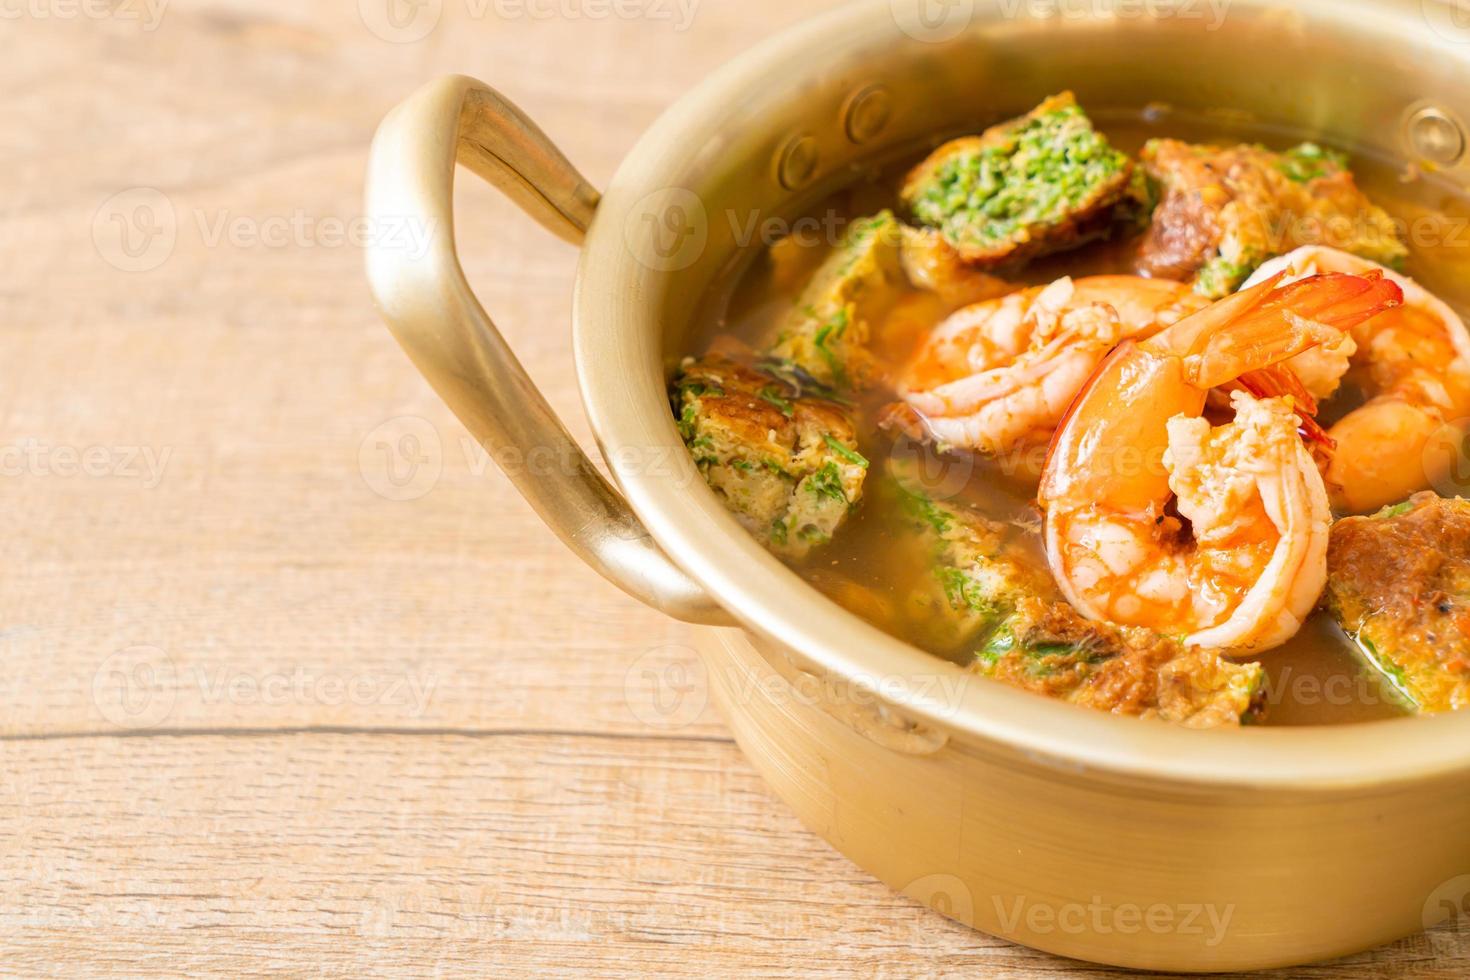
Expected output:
{"points": [[268, 710]]}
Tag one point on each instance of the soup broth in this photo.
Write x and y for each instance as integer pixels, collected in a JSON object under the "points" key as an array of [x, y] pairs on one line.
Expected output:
{"points": [[1316, 678]]}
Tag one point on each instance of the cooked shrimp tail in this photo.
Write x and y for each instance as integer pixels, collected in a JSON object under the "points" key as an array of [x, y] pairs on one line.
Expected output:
{"points": [[1155, 518], [998, 376], [1279, 381], [1269, 319], [1412, 364]]}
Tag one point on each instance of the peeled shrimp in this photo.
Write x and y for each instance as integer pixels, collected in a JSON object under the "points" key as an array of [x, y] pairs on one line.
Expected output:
{"points": [[1412, 363], [1217, 534], [999, 375]]}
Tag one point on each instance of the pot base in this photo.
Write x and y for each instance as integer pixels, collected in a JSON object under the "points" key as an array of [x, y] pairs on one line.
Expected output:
{"points": [[1074, 865]]}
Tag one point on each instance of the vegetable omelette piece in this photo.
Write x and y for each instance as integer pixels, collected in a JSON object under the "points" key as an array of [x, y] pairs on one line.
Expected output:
{"points": [[932, 265], [1050, 649], [1025, 635], [1226, 210], [973, 576], [784, 461], [1042, 183], [1399, 584], [827, 333]]}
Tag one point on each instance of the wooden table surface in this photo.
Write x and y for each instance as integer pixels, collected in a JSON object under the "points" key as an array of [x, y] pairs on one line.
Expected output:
{"points": [[293, 680]]}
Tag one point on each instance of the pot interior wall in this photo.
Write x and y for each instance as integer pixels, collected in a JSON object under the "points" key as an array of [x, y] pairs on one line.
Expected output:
{"points": [[1349, 73], [674, 220]]}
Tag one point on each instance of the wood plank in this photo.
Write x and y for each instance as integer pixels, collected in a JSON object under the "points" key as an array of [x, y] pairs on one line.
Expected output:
{"points": [[241, 522], [504, 795], [502, 855]]}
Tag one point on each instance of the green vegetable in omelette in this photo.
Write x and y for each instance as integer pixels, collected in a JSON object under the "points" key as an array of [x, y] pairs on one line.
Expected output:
{"points": [[984, 595], [1398, 583], [1038, 184]]}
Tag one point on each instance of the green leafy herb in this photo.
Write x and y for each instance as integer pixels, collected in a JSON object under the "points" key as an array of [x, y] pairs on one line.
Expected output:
{"points": [[778, 531], [1047, 167], [827, 482], [851, 455], [1002, 643], [923, 509], [1310, 162], [798, 382], [814, 534], [772, 395], [833, 329], [688, 422], [1219, 277], [1394, 510]]}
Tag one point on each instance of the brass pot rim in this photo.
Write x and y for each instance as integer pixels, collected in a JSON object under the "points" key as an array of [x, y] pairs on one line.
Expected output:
{"points": [[621, 372]]}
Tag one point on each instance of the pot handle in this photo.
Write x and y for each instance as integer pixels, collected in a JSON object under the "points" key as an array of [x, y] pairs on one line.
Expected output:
{"points": [[431, 309]]}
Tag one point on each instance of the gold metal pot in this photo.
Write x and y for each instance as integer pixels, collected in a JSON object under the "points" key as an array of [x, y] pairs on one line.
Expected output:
{"points": [[1108, 839]]}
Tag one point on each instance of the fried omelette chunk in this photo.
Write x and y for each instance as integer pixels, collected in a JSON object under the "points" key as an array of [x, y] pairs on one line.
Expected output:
{"points": [[1048, 648], [972, 576], [1226, 210], [1042, 183], [1399, 584], [784, 461], [1024, 634], [827, 332]]}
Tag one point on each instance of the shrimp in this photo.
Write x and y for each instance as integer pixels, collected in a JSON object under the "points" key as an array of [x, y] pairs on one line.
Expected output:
{"points": [[998, 376], [1217, 534], [1413, 365]]}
